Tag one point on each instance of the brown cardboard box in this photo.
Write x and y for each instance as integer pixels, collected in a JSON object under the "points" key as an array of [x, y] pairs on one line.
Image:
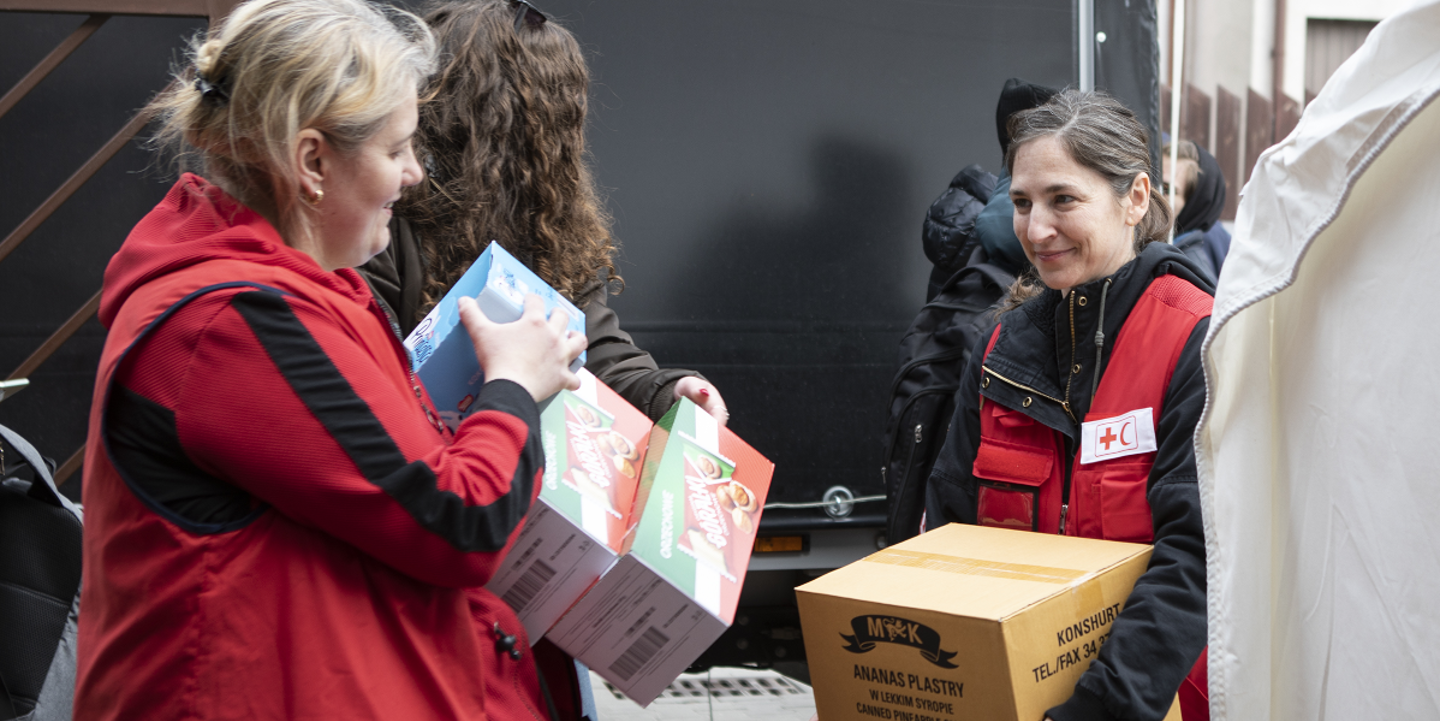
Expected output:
{"points": [[963, 622]]}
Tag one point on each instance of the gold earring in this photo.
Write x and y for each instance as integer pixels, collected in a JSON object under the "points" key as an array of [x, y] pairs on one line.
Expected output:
{"points": [[314, 200]]}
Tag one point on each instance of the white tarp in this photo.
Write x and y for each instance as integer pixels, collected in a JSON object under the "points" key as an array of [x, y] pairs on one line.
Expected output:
{"points": [[1319, 451]]}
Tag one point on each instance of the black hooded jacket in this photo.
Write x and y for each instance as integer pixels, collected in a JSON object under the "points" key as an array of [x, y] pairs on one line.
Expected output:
{"points": [[1206, 201], [949, 232], [1197, 228], [1162, 629]]}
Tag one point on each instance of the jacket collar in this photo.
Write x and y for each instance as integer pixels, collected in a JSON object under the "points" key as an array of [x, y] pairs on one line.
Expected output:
{"points": [[1036, 354], [199, 222]]}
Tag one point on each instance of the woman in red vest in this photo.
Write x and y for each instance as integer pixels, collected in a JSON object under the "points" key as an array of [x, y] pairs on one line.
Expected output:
{"points": [[1077, 415], [277, 524]]}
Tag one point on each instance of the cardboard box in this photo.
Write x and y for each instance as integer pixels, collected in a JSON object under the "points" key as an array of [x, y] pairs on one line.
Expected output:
{"points": [[595, 446], [675, 590], [963, 622], [443, 355]]}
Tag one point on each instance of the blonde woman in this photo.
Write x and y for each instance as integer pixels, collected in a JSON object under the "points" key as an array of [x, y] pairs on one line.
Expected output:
{"points": [[279, 527]]}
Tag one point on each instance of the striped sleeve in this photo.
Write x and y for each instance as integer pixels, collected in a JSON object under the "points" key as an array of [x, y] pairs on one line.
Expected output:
{"points": [[281, 402]]}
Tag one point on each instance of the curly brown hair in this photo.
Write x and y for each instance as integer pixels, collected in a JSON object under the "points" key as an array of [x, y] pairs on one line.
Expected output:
{"points": [[502, 136]]}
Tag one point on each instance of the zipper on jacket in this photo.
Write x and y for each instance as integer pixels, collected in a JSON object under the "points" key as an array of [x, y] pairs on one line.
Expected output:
{"points": [[1065, 404], [430, 414], [1069, 379], [1069, 467]]}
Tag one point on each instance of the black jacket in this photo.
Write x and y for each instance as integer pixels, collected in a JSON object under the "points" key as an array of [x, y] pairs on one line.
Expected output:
{"points": [[396, 277], [949, 230], [1162, 630]]}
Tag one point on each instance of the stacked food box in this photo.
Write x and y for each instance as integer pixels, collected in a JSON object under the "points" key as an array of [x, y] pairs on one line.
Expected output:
{"points": [[633, 556], [675, 589]]}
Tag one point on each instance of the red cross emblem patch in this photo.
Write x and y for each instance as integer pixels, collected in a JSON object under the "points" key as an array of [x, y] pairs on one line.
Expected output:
{"points": [[1123, 435]]}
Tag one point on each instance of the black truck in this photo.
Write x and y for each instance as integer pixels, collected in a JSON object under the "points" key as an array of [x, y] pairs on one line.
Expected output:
{"points": [[768, 165]]}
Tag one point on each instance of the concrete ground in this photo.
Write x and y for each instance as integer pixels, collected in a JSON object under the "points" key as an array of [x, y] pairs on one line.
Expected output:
{"points": [[721, 694]]}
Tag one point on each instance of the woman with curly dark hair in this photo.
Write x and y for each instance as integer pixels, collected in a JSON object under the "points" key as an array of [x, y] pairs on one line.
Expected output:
{"points": [[503, 141]]}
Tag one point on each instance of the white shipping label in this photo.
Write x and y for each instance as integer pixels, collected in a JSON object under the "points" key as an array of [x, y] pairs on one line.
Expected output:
{"points": [[594, 517], [707, 431], [587, 390], [707, 588], [1124, 435]]}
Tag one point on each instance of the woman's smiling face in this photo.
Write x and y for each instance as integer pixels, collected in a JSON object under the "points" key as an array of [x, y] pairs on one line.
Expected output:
{"points": [[360, 187], [1069, 221]]}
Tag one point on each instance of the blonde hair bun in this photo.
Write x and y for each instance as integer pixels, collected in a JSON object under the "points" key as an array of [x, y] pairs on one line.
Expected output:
{"points": [[280, 66]]}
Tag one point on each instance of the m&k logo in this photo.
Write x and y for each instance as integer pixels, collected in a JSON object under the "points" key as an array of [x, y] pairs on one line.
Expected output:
{"points": [[1117, 437], [870, 630]]}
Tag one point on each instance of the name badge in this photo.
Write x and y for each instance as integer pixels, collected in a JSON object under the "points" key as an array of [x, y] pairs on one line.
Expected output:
{"points": [[1117, 437]]}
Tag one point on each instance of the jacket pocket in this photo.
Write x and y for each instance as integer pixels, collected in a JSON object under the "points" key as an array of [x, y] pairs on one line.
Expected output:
{"points": [[1124, 509], [1002, 505], [1010, 477]]}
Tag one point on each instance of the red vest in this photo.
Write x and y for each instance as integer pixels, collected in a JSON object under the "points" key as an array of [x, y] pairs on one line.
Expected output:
{"points": [[1020, 463]]}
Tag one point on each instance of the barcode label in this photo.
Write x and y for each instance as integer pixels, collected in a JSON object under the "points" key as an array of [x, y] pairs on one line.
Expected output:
{"points": [[639, 653], [524, 590]]}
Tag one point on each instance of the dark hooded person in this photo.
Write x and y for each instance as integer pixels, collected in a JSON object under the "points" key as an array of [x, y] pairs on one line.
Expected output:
{"points": [[1199, 200]]}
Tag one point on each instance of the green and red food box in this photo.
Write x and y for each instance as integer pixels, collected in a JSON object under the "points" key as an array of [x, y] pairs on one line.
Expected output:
{"points": [[594, 446], [675, 588]]}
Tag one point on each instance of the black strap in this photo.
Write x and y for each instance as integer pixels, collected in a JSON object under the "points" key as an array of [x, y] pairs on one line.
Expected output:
{"points": [[545, 692], [996, 275], [7, 704], [991, 272], [43, 487]]}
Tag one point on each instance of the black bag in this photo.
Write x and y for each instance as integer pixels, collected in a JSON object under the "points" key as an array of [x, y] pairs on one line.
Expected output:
{"points": [[40, 536], [933, 354]]}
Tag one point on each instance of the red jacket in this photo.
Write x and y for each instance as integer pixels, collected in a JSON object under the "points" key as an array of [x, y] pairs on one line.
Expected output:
{"points": [[276, 527]]}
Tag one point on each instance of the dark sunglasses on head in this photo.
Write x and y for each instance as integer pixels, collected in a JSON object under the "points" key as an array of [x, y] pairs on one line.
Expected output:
{"points": [[528, 14]]}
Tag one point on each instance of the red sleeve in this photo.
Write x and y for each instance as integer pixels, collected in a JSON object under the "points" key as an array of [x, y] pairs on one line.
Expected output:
{"points": [[280, 400]]}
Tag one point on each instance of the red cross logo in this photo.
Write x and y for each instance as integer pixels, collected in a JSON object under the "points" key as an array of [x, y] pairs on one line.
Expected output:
{"points": [[1109, 438], [1118, 436]]}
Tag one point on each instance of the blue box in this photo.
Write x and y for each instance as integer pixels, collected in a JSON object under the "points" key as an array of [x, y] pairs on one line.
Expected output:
{"points": [[441, 350]]}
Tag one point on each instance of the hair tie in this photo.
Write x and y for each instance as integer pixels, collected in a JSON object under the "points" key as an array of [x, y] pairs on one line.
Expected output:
{"points": [[214, 92]]}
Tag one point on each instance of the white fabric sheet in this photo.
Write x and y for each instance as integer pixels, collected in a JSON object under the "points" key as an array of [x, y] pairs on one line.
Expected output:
{"points": [[1319, 450]]}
